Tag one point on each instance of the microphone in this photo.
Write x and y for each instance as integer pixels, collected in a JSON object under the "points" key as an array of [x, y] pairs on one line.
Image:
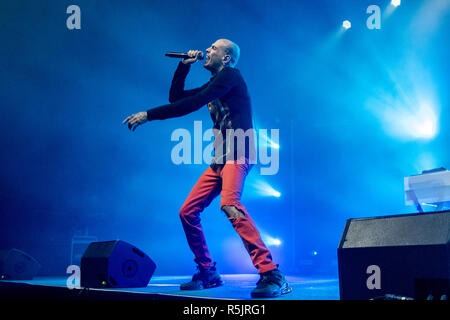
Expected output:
{"points": [[183, 55]]}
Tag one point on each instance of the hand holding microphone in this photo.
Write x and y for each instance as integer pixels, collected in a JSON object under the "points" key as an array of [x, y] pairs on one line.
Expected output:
{"points": [[195, 55], [188, 58]]}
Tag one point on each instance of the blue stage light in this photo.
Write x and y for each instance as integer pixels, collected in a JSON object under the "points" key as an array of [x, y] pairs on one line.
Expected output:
{"points": [[409, 122], [265, 141], [272, 192], [262, 188], [396, 3], [270, 241], [276, 242], [346, 24]]}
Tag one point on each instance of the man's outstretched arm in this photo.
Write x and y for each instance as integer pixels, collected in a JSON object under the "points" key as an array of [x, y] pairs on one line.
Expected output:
{"points": [[216, 89]]}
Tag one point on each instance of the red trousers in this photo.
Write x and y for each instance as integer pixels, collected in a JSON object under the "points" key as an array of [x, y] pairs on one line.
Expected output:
{"points": [[228, 181]]}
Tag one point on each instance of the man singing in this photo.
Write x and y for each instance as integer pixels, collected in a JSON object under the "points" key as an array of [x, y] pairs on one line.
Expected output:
{"points": [[229, 104]]}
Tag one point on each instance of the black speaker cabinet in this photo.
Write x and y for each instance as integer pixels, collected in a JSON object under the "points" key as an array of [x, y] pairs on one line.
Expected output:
{"points": [[115, 264], [17, 265], [404, 255]]}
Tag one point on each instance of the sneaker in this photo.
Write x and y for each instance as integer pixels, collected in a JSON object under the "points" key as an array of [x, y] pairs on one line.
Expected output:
{"points": [[271, 284], [204, 279]]}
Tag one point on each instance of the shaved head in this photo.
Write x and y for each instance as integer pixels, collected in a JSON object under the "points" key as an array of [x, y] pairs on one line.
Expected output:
{"points": [[231, 49], [222, 53]]}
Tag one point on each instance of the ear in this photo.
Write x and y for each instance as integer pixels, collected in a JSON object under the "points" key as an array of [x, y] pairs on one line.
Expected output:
{"points": [[226, 59]]}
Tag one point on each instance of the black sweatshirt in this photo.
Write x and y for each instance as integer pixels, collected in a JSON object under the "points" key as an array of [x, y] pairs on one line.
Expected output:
{"points": [[225, 93]]}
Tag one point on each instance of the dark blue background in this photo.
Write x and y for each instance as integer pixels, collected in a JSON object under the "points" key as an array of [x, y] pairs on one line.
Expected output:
{"points": [[69, 165]]}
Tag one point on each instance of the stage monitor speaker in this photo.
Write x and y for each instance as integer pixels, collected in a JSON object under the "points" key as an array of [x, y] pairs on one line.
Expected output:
{"points": [[17, 265], [115, 264], [402, 255]]}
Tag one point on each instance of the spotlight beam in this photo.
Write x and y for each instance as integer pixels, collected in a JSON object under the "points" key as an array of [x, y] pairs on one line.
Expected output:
{"points": [[346, 24]]}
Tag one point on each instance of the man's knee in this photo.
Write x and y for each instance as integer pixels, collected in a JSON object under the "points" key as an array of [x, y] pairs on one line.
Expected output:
{"points": [[183, 213], [189, 215], [232, 212]]}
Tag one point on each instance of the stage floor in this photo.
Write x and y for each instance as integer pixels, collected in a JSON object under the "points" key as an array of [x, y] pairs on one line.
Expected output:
{"points": [[236, 286]]}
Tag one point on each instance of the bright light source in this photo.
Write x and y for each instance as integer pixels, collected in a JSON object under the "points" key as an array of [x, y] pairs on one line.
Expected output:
{"points": [[272, 192], [396, 3], [265, 141], [270, 241], [426, 130], [346, 24], [419, 123], [276, 242], [409, 122], [262, 188]]}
